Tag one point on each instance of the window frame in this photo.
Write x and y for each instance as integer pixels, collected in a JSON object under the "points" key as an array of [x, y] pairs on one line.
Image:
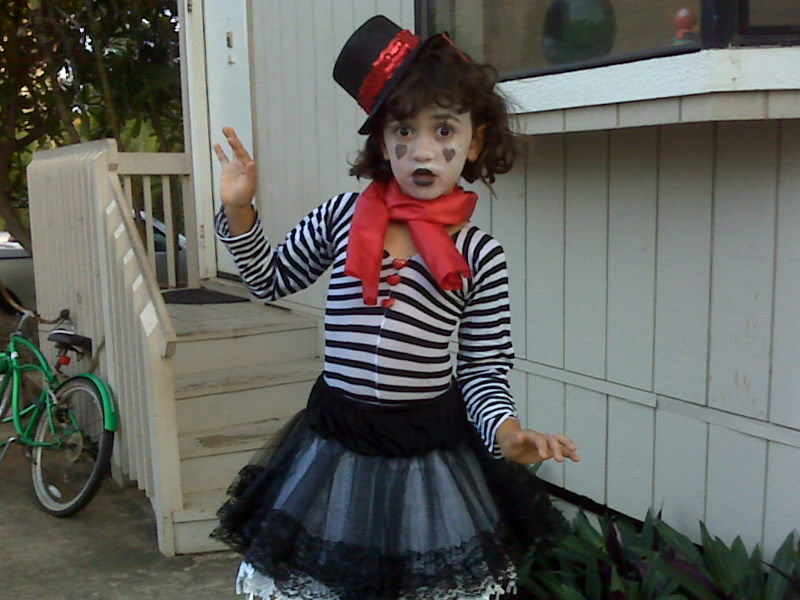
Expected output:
{"points": [[722, 24]]}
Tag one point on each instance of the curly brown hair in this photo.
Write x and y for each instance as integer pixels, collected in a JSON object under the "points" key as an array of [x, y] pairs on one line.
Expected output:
{"points": [[440, 75]]}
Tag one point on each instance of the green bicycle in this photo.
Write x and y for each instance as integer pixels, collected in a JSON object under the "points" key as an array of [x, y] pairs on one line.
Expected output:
{"points": [[68, 431]]}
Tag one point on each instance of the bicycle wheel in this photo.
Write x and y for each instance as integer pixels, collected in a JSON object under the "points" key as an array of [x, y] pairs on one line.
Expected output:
{"points": [[5, 400], [67, 473]]}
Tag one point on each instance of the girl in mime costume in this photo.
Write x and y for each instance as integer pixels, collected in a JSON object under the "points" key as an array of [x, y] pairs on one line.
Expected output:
{"points": [[401, 479]]}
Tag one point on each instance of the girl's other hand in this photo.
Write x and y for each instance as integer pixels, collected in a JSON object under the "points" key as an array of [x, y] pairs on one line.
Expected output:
{"points": [[238, 182], [528, 446]]}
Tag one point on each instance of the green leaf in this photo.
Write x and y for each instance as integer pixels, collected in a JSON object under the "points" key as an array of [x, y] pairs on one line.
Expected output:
{"points": [[777, 581], [691, 577], [714, 551], [585, 530], [568, 593], [680, 543]]}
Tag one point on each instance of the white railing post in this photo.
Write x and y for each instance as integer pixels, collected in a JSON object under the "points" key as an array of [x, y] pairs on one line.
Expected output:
{"points": [[91, 258]]}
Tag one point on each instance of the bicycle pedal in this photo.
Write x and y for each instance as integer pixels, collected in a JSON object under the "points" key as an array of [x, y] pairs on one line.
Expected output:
{"points": [[4, 449]]}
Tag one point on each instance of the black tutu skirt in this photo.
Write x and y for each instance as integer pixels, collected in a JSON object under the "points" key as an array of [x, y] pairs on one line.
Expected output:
{"points": [[361, 500]]}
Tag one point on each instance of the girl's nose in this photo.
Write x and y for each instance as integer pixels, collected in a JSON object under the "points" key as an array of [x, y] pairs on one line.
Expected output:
{"points": [[423, 150]]}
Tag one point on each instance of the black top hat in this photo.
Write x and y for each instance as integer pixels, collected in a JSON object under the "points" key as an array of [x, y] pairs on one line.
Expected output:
{"points": [[373, 61]]}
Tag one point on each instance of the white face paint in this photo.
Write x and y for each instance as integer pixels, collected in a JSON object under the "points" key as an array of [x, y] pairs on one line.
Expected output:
{"points": [[427, 152]]}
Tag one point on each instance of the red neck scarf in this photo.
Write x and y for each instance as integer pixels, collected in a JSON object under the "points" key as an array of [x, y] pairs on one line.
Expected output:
{"points": [[384, 202]]}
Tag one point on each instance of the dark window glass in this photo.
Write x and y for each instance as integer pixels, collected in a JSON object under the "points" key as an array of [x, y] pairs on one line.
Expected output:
{"points": [[528, 36], [773, 13]]}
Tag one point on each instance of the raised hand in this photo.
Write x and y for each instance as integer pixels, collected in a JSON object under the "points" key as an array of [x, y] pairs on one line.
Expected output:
{"points": [[238, 182], [528, 446]]}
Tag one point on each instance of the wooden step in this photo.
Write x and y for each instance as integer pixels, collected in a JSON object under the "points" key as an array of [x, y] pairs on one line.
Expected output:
{"points": [[221, 336], [245, 348], [209, 321], [210, 459], [224, 381], [197, 520], [244, 395]]}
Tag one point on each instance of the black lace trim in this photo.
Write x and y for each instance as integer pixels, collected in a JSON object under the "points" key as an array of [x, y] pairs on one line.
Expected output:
{"points": [[278, 546]]}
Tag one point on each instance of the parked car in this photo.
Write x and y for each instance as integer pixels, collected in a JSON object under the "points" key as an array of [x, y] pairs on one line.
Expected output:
{"points": [[16, 273], [160, 246], [16, 266]]}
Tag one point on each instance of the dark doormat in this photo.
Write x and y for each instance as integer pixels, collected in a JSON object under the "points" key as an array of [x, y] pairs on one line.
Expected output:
{"points": [[199, 296]]}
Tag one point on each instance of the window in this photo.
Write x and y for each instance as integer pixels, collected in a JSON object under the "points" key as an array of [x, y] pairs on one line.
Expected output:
{"points": [[530, 37]]}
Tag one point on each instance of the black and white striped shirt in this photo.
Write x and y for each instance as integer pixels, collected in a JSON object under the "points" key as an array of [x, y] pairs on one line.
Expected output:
{"points": [[400, 352]]}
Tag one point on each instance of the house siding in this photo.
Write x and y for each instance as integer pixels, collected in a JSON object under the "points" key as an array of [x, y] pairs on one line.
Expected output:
{"points": [[661, 292], [654, 282]]}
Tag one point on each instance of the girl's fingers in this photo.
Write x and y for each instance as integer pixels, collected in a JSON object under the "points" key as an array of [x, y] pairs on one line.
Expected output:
{"points": [[541, 447], [555, 445], [565, 441], [239, 151], [223, 158]]}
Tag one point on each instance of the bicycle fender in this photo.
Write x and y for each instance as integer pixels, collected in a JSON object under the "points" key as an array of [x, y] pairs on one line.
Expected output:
{"points": [[111, 420]]}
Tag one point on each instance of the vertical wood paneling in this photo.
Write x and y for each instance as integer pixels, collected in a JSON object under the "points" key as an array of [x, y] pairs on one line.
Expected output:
{"points": [[271, 134], [296, 158], [783, 496], [736, 483], [586, 413], [545, 249], [482, 217], [325, 138], [508, 223], [586, 252], [307, 195], [742, 274], [630, 457], [346, 125], [546, 413], [683, 260], [680, 471], [226, 71], [631, 256], [785, 389]]}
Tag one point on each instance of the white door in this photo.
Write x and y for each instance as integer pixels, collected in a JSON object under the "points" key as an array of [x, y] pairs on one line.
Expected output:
{"points": [[228, 76]]}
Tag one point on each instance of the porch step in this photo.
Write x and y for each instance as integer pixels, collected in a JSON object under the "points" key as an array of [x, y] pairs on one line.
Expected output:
{"points": [[211, 458], [241, 395], [242, 370], [197, 520], [245, 378], [212, 337]]}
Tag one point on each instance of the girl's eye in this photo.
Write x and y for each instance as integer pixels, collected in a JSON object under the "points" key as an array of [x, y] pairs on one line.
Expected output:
{"points": [[403, 131], [444, 131]]}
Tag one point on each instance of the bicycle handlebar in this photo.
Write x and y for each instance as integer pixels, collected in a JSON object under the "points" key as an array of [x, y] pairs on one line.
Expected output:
{"points": [[26, 313]]}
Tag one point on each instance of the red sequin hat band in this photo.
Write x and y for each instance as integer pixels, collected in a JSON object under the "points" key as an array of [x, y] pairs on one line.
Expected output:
{"points": [[384, 68]]}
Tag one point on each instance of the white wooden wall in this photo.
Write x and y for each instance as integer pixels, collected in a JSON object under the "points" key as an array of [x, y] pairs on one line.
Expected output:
{"points": [[656, 291], [655, 281]]}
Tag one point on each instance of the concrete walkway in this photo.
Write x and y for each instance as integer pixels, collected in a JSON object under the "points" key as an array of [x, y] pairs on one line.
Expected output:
{"points": [[108, 551]]}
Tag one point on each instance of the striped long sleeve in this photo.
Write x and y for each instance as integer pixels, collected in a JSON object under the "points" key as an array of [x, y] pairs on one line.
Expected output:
{"points": [[485, 352], [272, 273]]}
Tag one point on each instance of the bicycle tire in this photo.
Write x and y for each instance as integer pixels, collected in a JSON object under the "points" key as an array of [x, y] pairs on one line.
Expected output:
{"points": [[67, 476], [5, 400]]}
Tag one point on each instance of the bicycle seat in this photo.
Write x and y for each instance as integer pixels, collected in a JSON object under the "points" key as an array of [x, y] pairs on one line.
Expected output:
{"points": [[71, 341]]}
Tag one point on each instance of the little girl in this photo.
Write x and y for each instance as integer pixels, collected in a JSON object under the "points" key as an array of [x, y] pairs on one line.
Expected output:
{"points": [[398, 480]]}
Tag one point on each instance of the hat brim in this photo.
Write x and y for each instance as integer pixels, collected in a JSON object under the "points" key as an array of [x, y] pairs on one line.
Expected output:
{"points": [[397, 77]]}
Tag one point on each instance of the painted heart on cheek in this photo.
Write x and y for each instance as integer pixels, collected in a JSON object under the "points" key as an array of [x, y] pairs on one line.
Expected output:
{"points": [[449, 153], [400, 150]]}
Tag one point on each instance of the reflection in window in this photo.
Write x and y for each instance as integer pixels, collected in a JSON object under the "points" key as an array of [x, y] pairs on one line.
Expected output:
{"points": [[523, 36]]}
